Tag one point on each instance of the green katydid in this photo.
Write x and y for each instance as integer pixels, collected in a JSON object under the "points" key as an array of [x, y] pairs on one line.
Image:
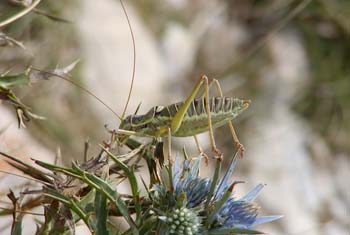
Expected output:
{"points": [[187, 118]]}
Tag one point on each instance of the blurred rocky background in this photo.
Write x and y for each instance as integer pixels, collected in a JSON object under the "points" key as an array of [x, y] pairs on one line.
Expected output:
{"points": [[290, 57]]}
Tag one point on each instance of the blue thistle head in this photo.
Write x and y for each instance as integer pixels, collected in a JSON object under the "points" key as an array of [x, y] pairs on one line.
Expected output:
{"points": [[196, 205]]}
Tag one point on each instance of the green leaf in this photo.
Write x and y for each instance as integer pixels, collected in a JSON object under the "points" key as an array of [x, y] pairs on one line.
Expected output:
{"points": [[65, 170], [103, 187], [214, 182], [88, 202], [14, 80], [148, 225], [101, 214], [71, 203], [49, 213], [133, 183], [17, 225]]}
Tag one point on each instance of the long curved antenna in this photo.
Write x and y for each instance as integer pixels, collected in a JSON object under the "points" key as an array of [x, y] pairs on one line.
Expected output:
{"points": [[81, 87], [134, 60], [19, 14]]}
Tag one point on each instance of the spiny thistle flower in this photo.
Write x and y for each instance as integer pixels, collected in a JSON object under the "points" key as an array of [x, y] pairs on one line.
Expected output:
{"points": [[195, 205]]}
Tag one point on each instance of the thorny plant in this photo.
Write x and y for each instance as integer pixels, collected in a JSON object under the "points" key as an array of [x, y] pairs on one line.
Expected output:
{"points": [[178, 200]]}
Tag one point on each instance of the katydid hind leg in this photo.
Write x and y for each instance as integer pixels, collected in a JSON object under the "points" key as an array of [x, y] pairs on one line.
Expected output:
{"points": [[210, 126], [235, 139], [230, 124], [178, 118], [200, 150]]}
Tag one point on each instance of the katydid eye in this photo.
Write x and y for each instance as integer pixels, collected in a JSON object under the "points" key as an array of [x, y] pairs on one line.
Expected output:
{"points": [[144, 126], [136, 120]]}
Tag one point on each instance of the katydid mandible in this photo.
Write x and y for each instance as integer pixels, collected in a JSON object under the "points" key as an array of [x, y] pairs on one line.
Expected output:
{"points": [[189, 118]]}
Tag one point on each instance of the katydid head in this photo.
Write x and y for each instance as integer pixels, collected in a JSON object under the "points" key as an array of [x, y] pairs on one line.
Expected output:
{"points": [[138, 125]]}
